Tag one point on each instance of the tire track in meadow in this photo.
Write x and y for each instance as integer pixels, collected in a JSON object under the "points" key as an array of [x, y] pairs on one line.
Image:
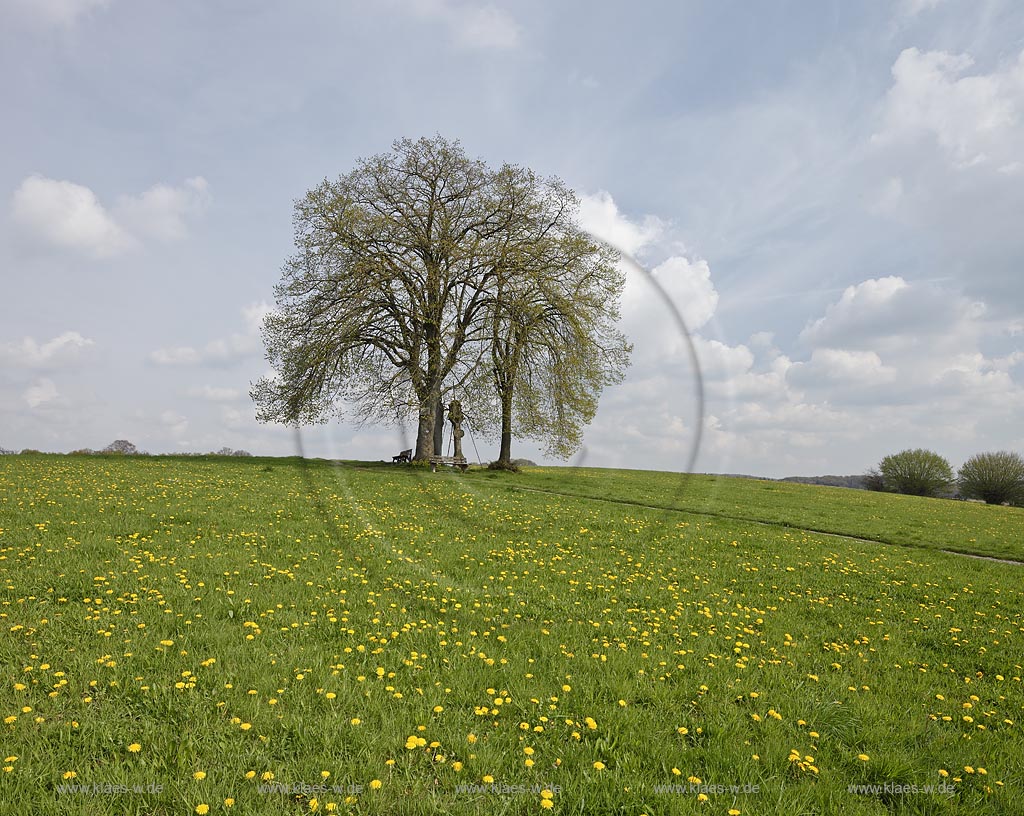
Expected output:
{"points": [[763, 523]]}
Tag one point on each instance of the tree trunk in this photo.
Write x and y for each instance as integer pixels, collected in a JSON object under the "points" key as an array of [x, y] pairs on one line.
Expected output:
{"points": [[425, 430], [505, 452], [439, 427]]}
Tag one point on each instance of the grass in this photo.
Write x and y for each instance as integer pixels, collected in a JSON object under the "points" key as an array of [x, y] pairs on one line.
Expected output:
{"points": [[909, 521], [185, 633]]}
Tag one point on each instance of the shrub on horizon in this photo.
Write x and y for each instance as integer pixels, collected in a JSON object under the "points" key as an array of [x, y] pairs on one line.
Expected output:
{"points": [[995, 478], [121, 446], [916, 472]]}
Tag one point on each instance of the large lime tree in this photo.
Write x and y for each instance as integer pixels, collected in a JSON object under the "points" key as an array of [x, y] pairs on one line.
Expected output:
{"points": [[404, 270]]}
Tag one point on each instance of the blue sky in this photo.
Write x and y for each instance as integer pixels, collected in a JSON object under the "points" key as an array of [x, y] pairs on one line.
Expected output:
{"points": [[830, 192]]}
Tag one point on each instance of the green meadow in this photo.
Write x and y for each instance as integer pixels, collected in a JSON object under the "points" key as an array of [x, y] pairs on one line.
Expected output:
{"points": [[272, 636]]}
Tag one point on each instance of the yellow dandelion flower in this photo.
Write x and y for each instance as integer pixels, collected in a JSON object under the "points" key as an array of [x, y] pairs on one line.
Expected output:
{"points": [[863, 757], [599, 766], [376, 784], [199, 775], [202, 809], [134, 747]]}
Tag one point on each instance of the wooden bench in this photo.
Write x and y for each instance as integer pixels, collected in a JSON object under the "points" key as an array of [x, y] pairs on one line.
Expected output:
{"points": [[455, 461], [404, 456]]}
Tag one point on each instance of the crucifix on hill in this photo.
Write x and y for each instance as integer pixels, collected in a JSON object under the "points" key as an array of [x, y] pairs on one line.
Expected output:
{"points": [[455, 416]]}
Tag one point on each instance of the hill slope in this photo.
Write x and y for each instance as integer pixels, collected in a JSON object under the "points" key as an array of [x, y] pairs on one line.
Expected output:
{"points": [[387, 640]]}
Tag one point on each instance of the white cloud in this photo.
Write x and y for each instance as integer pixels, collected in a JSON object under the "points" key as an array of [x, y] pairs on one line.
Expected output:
{"points": [[485, 27], [472, 25], [174, 422], [217, 352], [232, 418], [646, 319], [161, 211], [30, 354], [70, 216], [909, 356], [214, 394], [40, 392], [829, 366], [600, 216], [254, 313], [57, 12], [222, 351], [890, 311], [177, 355], [975, 119], [720, 361], [688, 284], [913, 7], [649, 323]]}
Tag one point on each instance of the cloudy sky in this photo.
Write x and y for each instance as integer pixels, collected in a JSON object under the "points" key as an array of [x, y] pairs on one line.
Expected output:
{"points": [[831, 193]]}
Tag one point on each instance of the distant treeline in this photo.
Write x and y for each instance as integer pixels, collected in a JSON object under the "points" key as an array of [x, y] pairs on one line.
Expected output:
{"points": [[858, 482], [123, 447]]}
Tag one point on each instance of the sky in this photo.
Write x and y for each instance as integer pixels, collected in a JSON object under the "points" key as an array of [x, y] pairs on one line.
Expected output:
{"points": [[829, 194]]}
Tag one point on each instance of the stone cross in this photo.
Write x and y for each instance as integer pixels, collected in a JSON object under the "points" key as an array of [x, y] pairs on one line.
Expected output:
{"points": [[455, 416]]}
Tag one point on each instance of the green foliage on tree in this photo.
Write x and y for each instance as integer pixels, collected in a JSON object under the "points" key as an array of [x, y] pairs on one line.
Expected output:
{"points": [[422, 268], [995, 478], [553, 344], [916, 472]]}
